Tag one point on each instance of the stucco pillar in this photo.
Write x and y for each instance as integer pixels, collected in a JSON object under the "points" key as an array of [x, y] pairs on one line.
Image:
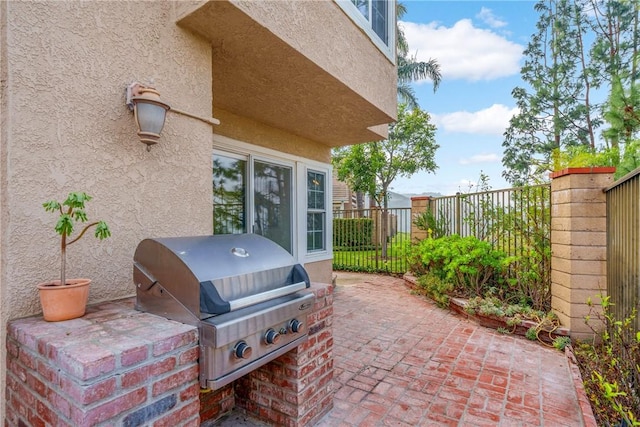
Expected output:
{"points": [[578, 245], [419, 205]]}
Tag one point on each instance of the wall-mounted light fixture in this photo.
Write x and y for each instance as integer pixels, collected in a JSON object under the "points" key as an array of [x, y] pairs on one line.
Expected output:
{"points": [[150, 112]]}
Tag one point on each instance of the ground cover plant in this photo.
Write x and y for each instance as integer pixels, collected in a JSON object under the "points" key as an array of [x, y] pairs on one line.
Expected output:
{"points": [[486, 278], [610, 369]]}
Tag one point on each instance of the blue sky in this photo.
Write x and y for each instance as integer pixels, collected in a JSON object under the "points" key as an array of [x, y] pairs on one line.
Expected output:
{"points": [[479, 46]]}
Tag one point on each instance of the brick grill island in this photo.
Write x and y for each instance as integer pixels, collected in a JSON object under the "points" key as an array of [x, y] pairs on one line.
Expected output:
{"points": [[119, 366]]}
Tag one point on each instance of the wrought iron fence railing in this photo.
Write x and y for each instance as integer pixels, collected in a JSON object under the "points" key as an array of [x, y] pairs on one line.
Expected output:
{"points": [[507, 218], [516, 221], [371, 240]]}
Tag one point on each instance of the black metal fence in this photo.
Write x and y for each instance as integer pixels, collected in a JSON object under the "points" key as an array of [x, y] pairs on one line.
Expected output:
{"points": [[507, 218], [371, 240], [516, 221], [623, 246]]}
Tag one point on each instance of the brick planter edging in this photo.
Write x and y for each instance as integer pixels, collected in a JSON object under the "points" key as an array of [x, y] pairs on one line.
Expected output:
{"points": [[585, 170], [457, 305], [588, 419]]}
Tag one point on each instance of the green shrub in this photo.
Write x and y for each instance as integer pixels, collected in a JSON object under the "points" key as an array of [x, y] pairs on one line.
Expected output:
{"points": [[472, 266], [436, 289], [353, 233]]}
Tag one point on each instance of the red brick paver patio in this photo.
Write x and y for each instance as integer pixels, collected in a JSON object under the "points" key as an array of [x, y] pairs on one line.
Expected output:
{"points": [[402, 361]]}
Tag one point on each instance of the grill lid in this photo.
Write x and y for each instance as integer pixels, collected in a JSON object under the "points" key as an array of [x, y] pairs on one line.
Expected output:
{"points": [[217, 274]]}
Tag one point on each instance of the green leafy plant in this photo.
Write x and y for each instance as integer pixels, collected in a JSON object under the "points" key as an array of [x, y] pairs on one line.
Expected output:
{"points": [[581, 156], [436, 289], [469, 264], [611, 366], [561, 342], [516, 221], [71, 213], [435, 226], [532, 334]]}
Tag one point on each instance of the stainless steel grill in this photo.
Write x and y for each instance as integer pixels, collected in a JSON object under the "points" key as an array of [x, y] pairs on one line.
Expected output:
{"points": [[245, 293]]}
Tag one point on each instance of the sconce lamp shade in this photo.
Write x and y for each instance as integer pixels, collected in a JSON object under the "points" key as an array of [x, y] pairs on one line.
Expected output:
{"points": [[149, 112]]}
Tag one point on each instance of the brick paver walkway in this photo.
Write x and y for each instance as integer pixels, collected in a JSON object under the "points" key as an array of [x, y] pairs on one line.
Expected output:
{"points": [[402, 361]]}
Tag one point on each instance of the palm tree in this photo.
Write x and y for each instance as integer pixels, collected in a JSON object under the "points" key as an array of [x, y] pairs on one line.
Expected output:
{"points": [[409, 68]]}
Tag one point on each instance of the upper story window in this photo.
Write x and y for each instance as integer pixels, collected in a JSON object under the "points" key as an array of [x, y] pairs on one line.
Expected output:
{"points": [[377, 19]]}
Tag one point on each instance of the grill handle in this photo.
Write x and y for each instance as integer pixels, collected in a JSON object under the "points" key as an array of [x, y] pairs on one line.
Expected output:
{"points": [[265, 296]]}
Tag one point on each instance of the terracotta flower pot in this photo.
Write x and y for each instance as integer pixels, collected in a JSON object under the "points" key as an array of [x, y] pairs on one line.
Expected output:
{"points": [[64, 302]]}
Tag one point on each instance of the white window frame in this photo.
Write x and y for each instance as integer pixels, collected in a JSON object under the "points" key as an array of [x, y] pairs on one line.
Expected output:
{"points": [[356, 16], [248, 201], [226, 146], [294, 196], [327, 252]]}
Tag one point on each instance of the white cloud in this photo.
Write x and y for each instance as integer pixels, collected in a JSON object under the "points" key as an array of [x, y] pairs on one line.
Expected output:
{"points": [[486, 15], [481, 158], [464, 51], [491, 121]]}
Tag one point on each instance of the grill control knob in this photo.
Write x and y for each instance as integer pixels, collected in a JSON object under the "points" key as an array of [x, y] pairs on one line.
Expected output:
{"points": [[296, 326], [242, 350], [271, 337]]}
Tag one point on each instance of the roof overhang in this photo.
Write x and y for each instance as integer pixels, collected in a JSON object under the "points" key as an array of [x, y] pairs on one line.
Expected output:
{"points": [[257, 74]]}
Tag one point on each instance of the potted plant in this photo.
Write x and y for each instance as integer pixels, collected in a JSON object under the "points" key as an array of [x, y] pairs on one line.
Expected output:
{"points": [[66, 299]]}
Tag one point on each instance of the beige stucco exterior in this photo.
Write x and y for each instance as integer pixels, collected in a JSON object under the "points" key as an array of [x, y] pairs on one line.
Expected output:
{"points": [[284, 75]]}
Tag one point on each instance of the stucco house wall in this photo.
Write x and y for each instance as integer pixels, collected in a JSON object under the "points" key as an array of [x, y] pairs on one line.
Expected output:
{"points": [[66, 128], [64, 67]]}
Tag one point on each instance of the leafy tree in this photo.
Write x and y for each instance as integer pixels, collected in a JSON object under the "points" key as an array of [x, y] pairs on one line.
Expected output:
{"points": [[372, 167], [557, 116], [615, 50], [557, 110]]}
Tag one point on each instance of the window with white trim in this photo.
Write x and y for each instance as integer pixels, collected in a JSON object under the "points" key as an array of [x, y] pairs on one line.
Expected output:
{"points": [[229, 194], [273, 203], [279, 196], [377, 18], [316, 211]]}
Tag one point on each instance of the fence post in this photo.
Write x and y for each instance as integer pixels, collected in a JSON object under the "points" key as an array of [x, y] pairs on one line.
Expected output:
{"points": [[578, 245], [419, 204], [458, 215]]}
